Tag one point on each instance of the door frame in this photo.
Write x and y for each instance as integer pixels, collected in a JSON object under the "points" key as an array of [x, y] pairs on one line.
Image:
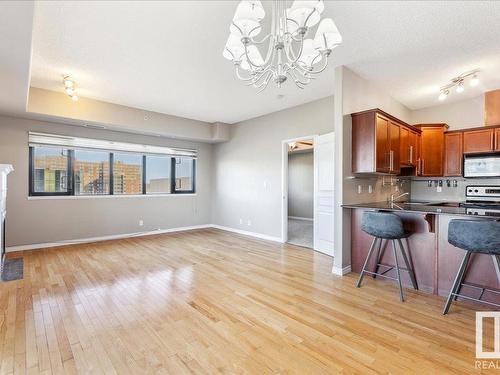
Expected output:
{"points": [[284, 184]]}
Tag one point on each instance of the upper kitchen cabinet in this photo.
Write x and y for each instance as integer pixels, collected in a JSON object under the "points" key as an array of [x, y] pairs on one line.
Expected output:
{"points": [[453, 154], [376, 146], [492, 108], [497, 139], [431, 150], [476, 141], [408, 146]]}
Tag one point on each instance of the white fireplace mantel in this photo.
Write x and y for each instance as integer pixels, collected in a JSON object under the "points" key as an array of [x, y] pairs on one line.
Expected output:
{"points": [[5, 169]]}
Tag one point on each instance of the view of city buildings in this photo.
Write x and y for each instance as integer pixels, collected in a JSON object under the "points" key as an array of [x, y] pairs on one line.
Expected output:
{"points": [[92, 177]]}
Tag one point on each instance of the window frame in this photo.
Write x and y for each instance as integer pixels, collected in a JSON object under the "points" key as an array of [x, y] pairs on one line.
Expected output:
{"points": [[70, 170], [173, 177], [69, 174]]}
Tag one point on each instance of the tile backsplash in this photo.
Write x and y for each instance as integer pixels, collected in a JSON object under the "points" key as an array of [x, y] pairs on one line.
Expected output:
{"points": [[421, 191]]}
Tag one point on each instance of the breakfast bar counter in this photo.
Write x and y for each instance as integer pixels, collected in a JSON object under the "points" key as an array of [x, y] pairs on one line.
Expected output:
{"points": [[435, 261], [434, 208]]}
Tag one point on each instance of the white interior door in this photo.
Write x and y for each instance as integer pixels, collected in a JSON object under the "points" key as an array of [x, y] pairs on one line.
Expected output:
{"points": [[323, 194]]}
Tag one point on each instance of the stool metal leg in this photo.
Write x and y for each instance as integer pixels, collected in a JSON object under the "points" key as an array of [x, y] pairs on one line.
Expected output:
{"points": [[380, 254], [397, 270], [408, 266], [496, 262], [458, 282], [462, 277], [372, 247]]}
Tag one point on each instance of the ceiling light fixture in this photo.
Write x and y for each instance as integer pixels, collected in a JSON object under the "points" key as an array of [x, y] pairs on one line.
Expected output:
{"points": [[474, 81], [443, 95], [69, 87], [290, 54], [458, 83]]}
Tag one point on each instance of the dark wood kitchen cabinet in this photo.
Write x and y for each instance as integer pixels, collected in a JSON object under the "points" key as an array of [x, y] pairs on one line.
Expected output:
{"points": [[376, 142], [477, 141], [408, 146], [453, 154], [497, 139], [431, 150]]}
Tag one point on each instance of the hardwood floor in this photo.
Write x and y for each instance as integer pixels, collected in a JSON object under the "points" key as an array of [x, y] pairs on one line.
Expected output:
{"points": [[212, 302]]}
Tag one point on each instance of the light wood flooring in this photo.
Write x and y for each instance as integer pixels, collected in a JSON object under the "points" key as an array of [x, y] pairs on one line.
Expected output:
{"points": [[212, 302]]}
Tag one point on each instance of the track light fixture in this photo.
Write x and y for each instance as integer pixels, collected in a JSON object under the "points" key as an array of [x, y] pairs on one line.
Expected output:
{"points": [[458, 83], [69, 87]]}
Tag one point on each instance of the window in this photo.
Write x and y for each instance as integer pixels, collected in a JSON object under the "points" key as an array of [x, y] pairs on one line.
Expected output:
{"points": [[184, 175], [91, 172], [49, 171], [65, 165], [158, 174], [127, 174]]}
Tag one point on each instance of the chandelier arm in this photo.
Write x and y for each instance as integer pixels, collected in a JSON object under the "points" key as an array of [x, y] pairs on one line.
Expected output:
{"points": [[249, 60], [266, 77], [309, 16], [253, 41], [296, 79], [239, 28], [261, 76], [240, 77], [325, 64], [265, 85], [295, 58]]}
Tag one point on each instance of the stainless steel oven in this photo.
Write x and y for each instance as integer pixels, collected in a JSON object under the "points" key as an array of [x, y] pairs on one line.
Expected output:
{"points": [[482, 166]]}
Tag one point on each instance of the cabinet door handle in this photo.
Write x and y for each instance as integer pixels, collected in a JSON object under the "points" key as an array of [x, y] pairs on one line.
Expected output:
{"points": [[411, 154], [423, 167], [391, 160]]}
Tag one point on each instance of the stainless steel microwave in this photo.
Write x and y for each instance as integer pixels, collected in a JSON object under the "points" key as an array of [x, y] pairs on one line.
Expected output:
{"points": [[482, 166]]}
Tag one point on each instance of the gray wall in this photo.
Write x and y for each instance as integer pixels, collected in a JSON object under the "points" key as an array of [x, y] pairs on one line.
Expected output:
{"points": [[32, 221], [301, 184], [467, 113], [247, 183]]}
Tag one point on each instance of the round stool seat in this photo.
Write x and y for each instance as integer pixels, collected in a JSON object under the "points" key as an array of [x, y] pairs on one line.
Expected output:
{"points": [[474, 235], [383, 225]]}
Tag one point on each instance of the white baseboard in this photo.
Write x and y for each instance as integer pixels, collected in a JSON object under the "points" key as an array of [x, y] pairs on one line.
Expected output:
{"points": [[300, 218], [10, 249], [247, 233], [341, 271]]}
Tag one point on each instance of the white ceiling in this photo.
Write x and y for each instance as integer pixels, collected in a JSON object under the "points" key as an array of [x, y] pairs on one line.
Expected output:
{"points": [[167, 56]]}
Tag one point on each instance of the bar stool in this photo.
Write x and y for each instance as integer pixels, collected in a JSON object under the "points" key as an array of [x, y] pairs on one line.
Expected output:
{"points": [[473, 236], [386, 226]]}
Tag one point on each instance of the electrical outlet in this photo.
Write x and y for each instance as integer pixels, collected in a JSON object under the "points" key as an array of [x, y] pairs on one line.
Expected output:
{"points": [[370, 189], [249, 222], [141, 223], [439, 189], [360, 189]]}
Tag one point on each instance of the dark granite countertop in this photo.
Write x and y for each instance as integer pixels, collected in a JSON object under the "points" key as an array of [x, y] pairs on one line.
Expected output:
{"points": [[436, 208]]}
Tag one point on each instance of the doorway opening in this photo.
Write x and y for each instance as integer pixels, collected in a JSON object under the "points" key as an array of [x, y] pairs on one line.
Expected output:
{"points": [[301, 193], [307, 192]]}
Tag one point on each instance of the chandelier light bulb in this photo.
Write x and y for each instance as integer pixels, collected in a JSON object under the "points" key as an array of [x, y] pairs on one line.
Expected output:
{"points": [[74, 98], [68, 83], [460, 87], [474, 81]]}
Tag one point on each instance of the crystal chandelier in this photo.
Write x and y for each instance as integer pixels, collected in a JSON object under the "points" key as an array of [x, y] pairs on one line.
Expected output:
{"points": [[290, 54]]}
